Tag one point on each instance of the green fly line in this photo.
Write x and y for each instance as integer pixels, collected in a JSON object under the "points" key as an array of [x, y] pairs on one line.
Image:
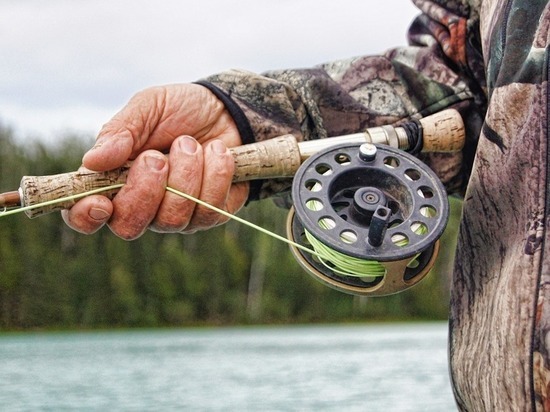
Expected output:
{"points": [[350, 265], [344, 264], [356, 267], [336, 261]]}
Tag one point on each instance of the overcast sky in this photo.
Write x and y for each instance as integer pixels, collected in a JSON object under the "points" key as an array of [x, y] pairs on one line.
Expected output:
{"points": [[69, 65]]}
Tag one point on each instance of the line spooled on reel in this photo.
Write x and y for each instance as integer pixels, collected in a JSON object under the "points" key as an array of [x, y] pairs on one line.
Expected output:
{"points": [[374, 213]]}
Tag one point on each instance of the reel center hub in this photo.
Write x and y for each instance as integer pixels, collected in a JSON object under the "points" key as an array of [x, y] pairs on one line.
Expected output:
{"points": [[366, 200]]}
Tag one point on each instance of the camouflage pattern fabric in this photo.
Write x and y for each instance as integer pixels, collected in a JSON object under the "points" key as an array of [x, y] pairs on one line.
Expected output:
{"points": [[490, 60]]}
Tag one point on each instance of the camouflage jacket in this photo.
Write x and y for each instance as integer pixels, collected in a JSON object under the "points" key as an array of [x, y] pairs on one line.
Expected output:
{"points": [[490, 60]]}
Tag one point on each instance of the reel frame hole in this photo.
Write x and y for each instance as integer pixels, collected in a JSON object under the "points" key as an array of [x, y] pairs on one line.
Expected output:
{"points": [[428, 211], [348, 236], [413, 175], [315, 205], [326, 223], [391, 162], [323, 169], [342, 159], [400, 239], [419, 228], [313, 185], [425, 192]]}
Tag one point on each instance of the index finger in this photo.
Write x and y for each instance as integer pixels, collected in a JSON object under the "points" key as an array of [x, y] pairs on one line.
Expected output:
{"points": [[109, 152]]}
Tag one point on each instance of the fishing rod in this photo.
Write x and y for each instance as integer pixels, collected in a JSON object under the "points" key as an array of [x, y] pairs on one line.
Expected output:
{"points": [[367, 214]]}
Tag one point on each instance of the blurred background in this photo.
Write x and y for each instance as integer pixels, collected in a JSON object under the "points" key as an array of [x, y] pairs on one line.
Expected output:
{"points": [[66, 68]]}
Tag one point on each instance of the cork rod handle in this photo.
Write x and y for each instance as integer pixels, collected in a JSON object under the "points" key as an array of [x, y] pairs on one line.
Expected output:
{"points": [[278, 157], [443, 131]]}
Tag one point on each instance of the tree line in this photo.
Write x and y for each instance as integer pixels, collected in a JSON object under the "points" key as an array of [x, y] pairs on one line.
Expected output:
{"points": [[53, 277]]}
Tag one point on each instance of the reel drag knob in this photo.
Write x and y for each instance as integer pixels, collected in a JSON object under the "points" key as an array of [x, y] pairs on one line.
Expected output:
{"points": [[372, 214]]}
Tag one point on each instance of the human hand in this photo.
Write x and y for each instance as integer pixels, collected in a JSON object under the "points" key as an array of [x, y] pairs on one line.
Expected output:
{"points": [[190, 123]]}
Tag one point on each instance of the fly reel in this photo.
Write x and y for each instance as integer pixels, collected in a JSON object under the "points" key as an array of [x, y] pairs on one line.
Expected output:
{"points": [[373, 216]]}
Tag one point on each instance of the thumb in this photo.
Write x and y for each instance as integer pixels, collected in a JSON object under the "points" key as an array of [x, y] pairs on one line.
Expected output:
{"points": [[125, 132], [110, 151]]}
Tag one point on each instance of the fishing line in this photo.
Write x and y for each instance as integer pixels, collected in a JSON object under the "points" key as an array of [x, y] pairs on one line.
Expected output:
{"points": [[343, 264], [243, 221], [336, 261], [8, 212], [64, 199], [339, 262], [351, 266], [22, 209]]}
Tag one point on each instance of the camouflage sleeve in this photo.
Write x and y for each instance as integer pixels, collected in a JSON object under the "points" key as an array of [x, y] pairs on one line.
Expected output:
{"points": [[441, 68]]}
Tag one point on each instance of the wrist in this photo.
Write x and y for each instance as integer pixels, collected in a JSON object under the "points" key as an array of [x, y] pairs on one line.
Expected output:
{"points": [[234, 110], [243, 127]]}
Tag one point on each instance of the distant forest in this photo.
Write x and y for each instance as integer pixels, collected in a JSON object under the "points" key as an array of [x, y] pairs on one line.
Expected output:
{"points": [[54, 278]]}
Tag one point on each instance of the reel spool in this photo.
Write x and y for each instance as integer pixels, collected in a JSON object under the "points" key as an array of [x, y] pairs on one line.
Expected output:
{"points": [[368, 204]]}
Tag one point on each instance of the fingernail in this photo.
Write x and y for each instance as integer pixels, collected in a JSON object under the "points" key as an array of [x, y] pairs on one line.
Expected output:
{"points": [[155, 162], [98, 214], [219, 147], [188, 144]]}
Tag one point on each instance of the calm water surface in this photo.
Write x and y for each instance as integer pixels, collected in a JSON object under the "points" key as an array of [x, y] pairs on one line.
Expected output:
{"points": [[314, 368]]}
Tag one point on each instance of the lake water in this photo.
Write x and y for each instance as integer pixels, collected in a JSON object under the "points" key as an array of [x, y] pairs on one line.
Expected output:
{"points": [[395, 367]]}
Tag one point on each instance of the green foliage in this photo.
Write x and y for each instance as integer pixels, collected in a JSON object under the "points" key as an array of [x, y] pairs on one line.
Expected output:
{"points": [[52, 277]]}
